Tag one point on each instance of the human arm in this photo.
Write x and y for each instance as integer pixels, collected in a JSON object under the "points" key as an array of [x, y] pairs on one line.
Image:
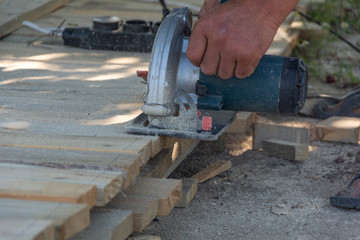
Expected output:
{"points": [[229, 39]]}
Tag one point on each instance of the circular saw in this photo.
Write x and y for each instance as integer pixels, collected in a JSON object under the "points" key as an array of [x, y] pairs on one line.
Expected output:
{"points": [[183, 102]]}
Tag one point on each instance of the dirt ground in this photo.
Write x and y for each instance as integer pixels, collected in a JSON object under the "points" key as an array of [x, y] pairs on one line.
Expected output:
{"points": [[264, 197]]}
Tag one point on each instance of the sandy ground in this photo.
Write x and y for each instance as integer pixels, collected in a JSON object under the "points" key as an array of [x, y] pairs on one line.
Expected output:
{"points": [[264, 197]]}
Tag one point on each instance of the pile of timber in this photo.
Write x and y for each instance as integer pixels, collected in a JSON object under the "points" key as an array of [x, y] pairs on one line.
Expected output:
{"points": [[56, 186], [67, 169], [89, 188], [289, 137]]}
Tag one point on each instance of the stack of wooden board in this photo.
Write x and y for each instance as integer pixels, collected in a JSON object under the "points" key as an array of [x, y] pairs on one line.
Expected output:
{"points": [[289, 137], [63, 149]]}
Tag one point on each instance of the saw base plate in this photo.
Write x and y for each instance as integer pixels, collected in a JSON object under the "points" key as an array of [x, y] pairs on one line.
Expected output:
{"points": [[221, 120]]}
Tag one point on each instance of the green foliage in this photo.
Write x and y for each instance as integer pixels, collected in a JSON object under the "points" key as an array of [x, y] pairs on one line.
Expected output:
{"points": [[339, 14], [345, 71], [344, 17]]}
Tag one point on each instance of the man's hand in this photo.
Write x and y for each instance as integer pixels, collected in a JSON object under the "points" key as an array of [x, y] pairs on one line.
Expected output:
{"points": [[230, 39], [208, 6]]}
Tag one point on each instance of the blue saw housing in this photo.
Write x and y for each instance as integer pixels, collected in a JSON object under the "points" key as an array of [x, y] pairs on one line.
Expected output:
{"points": [[278, 85]]}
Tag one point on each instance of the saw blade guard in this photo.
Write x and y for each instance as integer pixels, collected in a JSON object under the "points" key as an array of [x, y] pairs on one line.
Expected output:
{"points": [[168, 57]]}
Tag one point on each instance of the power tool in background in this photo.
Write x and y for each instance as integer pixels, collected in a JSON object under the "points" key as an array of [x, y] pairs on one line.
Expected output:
{"points": [[106, 33], [110, 33], [183, 102]]}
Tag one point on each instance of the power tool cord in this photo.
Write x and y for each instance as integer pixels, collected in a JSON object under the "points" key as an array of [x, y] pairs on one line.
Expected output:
{"points": [[311, 19], [356, 91], [165, 10]]}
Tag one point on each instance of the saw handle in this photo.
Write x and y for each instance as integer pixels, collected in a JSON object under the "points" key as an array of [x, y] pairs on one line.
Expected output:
{"points": [[279, 84]]}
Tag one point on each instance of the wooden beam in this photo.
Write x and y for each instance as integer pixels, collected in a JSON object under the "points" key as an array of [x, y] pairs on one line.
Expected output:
{"points": [[14, 12], [165, 162], [148, 198], [26, 229], [266, 129], [145, 208], [168, 191], [84, 160], [48, 191], [339, 129], [243, 123], [157, 144], [68, 218], [157, 166], [108, 183], [108, 224], [181, 149], [286, 150], [189, 190], [126, 145], [212, 170]]}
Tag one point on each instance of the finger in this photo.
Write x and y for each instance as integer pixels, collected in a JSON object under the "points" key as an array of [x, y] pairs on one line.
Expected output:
{"points": [[244, 70], [226, 67], [210, 62], [196, 47]]}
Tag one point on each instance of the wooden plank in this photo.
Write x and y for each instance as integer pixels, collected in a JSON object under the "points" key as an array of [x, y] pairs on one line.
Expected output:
{"points": [[22, 229], [48, 191], [339, 129], [157, 145], [212, 170], [108, 224], [145, 208], [97, 94], [168, 191], [60, 54], [157, 166], [243, 123], [286, 150], [265, 129], [108, 183], [127, 145], [68, 218], [291, 121], [161, 166], [14, 12], [189, 190], [38, 128], [85, 160], [181, 149], [130, 153]]}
